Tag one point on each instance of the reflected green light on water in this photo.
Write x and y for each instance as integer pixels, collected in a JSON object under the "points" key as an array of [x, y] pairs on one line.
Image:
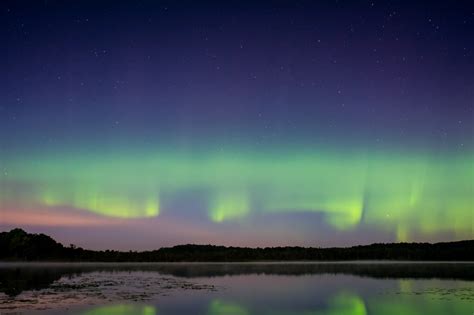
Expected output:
{"points": [[122, 309], [345, 303], [342, 304], [406, 302], [219, 307], [414, 300], [413, 305]]}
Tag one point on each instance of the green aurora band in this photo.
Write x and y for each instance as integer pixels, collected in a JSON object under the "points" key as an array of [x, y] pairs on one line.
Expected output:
{"points": [[408, 194]]}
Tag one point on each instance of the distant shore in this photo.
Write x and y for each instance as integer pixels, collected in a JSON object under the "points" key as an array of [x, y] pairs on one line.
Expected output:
{"points": [[20, 246]]}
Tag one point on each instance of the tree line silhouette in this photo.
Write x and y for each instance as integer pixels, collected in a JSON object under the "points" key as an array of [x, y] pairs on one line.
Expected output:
{"points": [[18, 245]]}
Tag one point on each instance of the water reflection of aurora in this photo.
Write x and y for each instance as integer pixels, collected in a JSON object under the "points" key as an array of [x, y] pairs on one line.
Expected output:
{"points": [[348, 303], [122, 309], [344, 302], [406, 194]]}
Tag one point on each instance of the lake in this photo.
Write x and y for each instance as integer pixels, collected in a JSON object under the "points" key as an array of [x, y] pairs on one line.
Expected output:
{"points": [[296, 288]]}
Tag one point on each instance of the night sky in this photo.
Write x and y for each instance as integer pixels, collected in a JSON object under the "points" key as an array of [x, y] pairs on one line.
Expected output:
{"points": [[140, 124]]}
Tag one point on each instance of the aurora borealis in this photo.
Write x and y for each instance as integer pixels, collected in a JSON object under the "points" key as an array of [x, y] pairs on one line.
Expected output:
{"points": [[139, 125]]}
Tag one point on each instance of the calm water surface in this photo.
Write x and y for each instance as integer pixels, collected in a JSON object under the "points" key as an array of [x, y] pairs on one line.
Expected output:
{"points": [[238, 288]]}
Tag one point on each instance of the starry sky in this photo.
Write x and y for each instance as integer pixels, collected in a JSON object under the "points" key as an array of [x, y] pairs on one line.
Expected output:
{"points": [[140, 124]]}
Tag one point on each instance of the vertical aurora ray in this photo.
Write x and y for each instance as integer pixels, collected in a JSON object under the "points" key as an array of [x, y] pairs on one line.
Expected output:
{"points": [[229, 206]]}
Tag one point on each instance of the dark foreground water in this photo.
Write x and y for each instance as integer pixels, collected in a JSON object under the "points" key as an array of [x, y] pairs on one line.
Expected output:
{"points": [[238, 289]]}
